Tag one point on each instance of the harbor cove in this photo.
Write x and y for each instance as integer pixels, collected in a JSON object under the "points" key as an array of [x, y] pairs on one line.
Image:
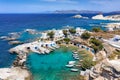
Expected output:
{"points": [[59, 46], [52, 66]]}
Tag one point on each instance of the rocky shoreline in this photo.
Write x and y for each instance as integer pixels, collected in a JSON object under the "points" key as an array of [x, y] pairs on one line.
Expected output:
{"points": [[105, 69], [111, 17], [18, 71], [14, 73]]}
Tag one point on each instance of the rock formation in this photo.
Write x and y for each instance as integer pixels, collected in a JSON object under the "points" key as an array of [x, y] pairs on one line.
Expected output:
{"points": [[111, 17], [14, 73], [79, 16], [15, 42]]}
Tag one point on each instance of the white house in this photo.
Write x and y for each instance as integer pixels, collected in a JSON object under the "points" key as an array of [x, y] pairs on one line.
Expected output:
{"points": [[58, 34], [44, 35], [79, 31]]}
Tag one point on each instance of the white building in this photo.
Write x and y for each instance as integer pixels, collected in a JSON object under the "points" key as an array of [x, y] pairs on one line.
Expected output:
{"points": [[112, 26], [79, 31], [44, 35], [58, 34]]}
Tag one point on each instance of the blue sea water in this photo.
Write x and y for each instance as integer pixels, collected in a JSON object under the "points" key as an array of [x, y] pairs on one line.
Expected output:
{"points": [[19, 22]]}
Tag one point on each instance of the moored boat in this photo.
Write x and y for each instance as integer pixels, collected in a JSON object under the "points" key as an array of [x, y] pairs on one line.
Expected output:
{"points": [[74, 70], [69, 65]]}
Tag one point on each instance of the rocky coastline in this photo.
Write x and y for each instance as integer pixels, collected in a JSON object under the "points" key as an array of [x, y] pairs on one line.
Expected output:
{"points": [[111, 17], [18, 71], [105, 69]]}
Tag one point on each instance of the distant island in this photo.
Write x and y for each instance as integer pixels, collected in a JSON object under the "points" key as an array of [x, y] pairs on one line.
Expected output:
{"points": [[77, 11], [79, 16], [82, 12]]}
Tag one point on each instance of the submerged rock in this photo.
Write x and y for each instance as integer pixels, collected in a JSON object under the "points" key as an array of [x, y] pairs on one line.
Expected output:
{"points": [[10, 38], [3, 37], [15, 42], [31, 31], [7, 38]]}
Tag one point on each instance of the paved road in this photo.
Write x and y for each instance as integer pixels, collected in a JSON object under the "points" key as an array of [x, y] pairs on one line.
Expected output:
{"points": [[108, 49]]}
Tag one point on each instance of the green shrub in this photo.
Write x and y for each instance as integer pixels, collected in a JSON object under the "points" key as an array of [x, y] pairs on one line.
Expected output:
{"points": [[96, 29], [51, 34], [65, 33], [96, 44], [87, 63], [67, 40], [85, 35], [72, 31]]}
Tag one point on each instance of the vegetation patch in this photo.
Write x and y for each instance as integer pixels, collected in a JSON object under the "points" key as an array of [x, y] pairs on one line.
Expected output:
{"points": [[96, 29], [51, 34], [96, 44], [67, 40], [85, 35], [72, 31], [87, 60], [114, 54]]}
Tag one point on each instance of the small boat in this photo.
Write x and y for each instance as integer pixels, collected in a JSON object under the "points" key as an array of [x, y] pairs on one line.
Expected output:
{"points": [[78, 65], [72, 62], [77, 58], [74, 70], [75, 52], [69, 65]]}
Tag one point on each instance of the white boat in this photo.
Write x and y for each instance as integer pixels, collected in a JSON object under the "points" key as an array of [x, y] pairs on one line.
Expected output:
{"points": [[78, 65], [75, 52], [69, 65], [74, 70], [77, 58], [72, 62]]}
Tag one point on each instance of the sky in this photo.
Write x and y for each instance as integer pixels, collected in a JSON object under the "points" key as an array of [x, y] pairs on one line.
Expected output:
{"points": [[38, 6]]}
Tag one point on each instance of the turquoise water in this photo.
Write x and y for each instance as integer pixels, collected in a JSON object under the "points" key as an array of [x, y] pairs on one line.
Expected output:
{"points": [[51, 66], [27, 37]]}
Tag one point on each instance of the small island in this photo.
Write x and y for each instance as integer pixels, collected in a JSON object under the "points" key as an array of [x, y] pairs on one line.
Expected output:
{"points": [[110, 17], [79, 16]]}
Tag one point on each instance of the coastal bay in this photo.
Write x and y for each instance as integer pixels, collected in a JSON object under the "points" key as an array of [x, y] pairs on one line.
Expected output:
{"points": [[48, 66]]}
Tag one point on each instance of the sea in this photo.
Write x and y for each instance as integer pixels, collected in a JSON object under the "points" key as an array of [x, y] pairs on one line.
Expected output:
{"points": [[43, 67]]}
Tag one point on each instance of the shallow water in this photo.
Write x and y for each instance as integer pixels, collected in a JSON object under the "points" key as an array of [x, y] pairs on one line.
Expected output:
{"points": [[27, 37], [51, 66]]}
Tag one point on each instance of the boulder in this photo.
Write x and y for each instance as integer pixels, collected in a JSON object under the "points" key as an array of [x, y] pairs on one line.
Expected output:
{"points": [[14, 73]]}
